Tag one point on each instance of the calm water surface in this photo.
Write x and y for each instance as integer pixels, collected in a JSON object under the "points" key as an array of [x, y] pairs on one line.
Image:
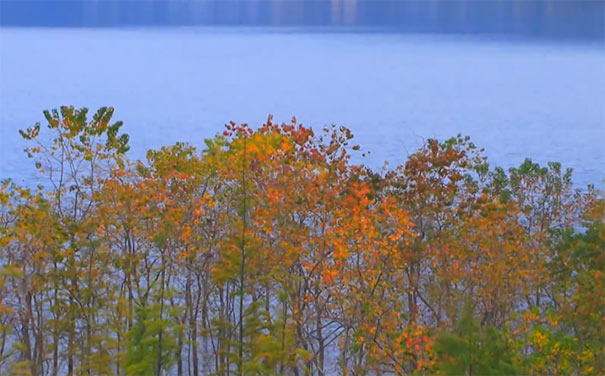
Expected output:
{"points": [[517, 99]]}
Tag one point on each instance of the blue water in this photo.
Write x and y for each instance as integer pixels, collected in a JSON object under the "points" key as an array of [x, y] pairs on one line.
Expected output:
{"points": [[517, 96]]}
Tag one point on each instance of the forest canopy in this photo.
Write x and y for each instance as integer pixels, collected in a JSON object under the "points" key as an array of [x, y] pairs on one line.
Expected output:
{"points": [[268, 252]]}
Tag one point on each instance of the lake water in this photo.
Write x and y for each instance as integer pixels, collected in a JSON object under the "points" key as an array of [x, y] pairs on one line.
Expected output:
{"points": [[516, 97]]}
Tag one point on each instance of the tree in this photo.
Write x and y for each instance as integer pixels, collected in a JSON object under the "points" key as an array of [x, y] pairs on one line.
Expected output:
{"points": [[267, 251], [474, 350]]}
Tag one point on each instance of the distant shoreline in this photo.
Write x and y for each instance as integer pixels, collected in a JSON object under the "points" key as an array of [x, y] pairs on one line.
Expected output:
{"points": [[575, 20]]}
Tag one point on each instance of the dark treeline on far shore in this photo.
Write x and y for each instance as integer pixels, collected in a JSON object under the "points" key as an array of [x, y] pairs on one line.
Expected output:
{"points": [[538, 18]]}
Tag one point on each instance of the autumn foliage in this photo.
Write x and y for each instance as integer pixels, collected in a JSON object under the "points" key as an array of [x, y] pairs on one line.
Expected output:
{"points": [[268, 252]]}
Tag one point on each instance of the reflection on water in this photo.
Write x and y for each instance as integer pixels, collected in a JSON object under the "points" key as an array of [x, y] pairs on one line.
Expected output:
{"points": [[582, 19]]}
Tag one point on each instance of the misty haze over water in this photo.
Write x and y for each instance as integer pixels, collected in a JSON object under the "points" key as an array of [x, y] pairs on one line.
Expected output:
{"points": [[521, 77]]}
